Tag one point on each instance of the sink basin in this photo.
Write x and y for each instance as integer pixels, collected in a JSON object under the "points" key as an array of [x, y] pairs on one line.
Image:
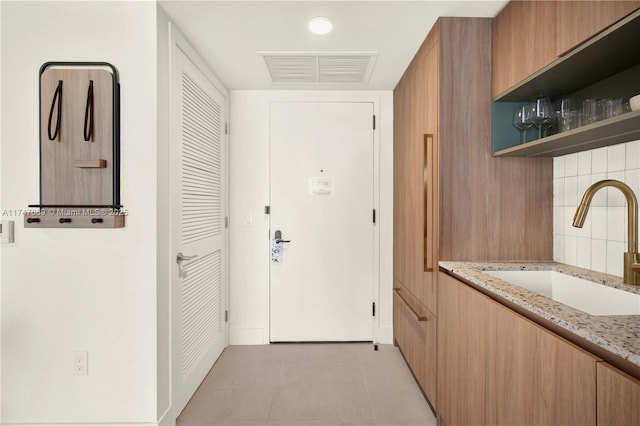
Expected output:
{"points": [[587, 296]]}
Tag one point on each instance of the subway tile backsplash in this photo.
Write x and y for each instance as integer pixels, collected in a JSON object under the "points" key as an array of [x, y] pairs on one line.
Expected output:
{"points": [[600, 244]]}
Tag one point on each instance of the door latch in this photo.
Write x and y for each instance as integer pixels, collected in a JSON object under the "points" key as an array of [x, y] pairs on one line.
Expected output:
{"points": [[278, 237]]}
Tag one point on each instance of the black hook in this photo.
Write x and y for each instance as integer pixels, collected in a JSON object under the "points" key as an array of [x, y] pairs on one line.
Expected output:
{"points": [[56, 97], [96, 220], [88, 114], [64, 220], [33, 220]]}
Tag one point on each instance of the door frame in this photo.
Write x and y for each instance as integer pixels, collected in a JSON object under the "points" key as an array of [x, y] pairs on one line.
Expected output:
{"points": [[177, 41], [333, 97]]}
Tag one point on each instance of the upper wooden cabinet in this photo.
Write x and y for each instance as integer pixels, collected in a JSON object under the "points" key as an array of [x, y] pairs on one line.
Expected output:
{"points": [[529, 35], [578, 21], [524, 40]]}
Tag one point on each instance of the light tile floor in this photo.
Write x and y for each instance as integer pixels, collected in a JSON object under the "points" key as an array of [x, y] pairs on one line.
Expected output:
{"points": [[344, 384]]}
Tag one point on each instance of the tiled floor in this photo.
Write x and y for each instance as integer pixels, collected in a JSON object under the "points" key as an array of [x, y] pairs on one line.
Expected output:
{"points": [[308, 384]]}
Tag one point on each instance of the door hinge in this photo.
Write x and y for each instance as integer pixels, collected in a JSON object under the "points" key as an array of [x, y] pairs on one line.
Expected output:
{"points": [[226, 128], [267, 209], [226, 316], [374, 122], [374, 309], [226, 222], [374, 215]]}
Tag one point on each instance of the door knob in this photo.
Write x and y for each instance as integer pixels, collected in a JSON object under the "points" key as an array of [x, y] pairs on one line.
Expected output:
{"points": [[181, 257], [278, 237]]}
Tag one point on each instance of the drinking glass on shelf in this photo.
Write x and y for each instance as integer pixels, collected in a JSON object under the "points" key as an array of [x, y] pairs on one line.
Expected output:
{"points": [[522, 120], [567, 115], [589, 111], [542, 114]]}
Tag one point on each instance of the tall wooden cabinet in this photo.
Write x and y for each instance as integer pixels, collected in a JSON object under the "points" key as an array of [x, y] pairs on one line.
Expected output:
{"points": [[452, 199]]}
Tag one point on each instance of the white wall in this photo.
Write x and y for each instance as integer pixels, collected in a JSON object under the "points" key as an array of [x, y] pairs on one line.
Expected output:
{"points": [[600, 244], [249, 193], [68, 290], [163, 248]]}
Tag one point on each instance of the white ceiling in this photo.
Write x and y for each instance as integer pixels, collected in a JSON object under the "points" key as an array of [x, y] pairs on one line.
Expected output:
{"points": [[227, 34]]}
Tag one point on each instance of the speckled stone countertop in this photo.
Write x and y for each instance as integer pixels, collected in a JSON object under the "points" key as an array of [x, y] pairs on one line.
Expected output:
{"points": [[617, 334]]}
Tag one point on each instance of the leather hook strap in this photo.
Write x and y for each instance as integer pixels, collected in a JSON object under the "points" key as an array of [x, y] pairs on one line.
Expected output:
{"points": [[57, 98], [88, 114]]}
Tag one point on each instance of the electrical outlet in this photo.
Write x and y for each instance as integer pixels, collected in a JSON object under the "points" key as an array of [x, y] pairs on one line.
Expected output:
{"points": [[81, 363]]}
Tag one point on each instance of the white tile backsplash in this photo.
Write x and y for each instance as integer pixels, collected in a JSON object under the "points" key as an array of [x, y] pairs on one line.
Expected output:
{"points": [[616, 158], [584, 163], [633, 155], [571, 165], [600, 244], [599, 160]]}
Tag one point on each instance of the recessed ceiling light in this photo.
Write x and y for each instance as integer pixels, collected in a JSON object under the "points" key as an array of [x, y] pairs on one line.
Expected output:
{"points": [[320, 25]]}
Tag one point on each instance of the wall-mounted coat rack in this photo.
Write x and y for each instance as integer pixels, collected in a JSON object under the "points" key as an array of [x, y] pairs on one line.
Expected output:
{"points": [[79, 147]]}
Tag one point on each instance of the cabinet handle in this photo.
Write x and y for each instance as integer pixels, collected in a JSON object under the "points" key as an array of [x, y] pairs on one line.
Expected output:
{"points": [[419, 317], [427, 175]]}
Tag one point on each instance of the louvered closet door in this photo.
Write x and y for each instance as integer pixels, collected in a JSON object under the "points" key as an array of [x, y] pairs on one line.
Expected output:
{"points": [[198, 182]]}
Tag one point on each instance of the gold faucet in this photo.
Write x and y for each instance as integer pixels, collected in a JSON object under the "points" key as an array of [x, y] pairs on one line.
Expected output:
{"points": [[631, 257]]}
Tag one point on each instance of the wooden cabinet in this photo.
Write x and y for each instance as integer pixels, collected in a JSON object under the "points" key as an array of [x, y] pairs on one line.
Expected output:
{"points": [[524, 40], [577, 21], [529, 35], [606, 66], [416, 335], [618, 397], [536, 378], [464, 324], [452, 199], [495, 367]]}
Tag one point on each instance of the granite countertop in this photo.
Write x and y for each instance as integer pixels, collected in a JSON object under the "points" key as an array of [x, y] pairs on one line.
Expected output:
{"points": [[617, 334]]}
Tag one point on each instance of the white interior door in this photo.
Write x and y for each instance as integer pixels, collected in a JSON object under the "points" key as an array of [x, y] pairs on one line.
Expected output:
{"points": [[197, 166], [322, 182]]}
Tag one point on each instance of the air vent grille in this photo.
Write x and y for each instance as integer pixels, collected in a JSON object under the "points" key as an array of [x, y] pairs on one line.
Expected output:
{"points": [[335, 67]]}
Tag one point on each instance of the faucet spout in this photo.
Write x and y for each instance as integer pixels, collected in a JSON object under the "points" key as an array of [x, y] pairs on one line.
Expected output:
{"points": [[631, 257]]}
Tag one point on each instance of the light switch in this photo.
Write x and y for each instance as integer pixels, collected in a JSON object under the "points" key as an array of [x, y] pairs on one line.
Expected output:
{"points": [[248, 220], [6, 231]]}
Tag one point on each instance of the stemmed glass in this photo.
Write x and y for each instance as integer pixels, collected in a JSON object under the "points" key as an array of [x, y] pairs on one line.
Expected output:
{"points": [[542, 114], [522, 120]]}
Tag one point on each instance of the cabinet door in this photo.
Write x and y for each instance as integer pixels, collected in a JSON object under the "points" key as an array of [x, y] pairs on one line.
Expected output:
{"points": [[464, 322], [524, 41], [415, 252], [618, 397], [536, 378], [414, 330], [407, 185], [578, 21]]}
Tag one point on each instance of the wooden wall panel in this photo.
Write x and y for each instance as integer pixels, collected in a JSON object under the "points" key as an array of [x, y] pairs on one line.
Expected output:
{"points": [[490, 208]]}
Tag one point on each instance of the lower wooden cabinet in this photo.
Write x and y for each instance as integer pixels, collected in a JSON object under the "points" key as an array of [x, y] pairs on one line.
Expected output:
{"points": [[414, 328], [463, 335], [535, 377], [618, 397], [496, 367]]}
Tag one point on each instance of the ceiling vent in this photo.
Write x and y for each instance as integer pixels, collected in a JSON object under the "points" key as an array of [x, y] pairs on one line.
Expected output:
{"points": [[330, 68]]}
